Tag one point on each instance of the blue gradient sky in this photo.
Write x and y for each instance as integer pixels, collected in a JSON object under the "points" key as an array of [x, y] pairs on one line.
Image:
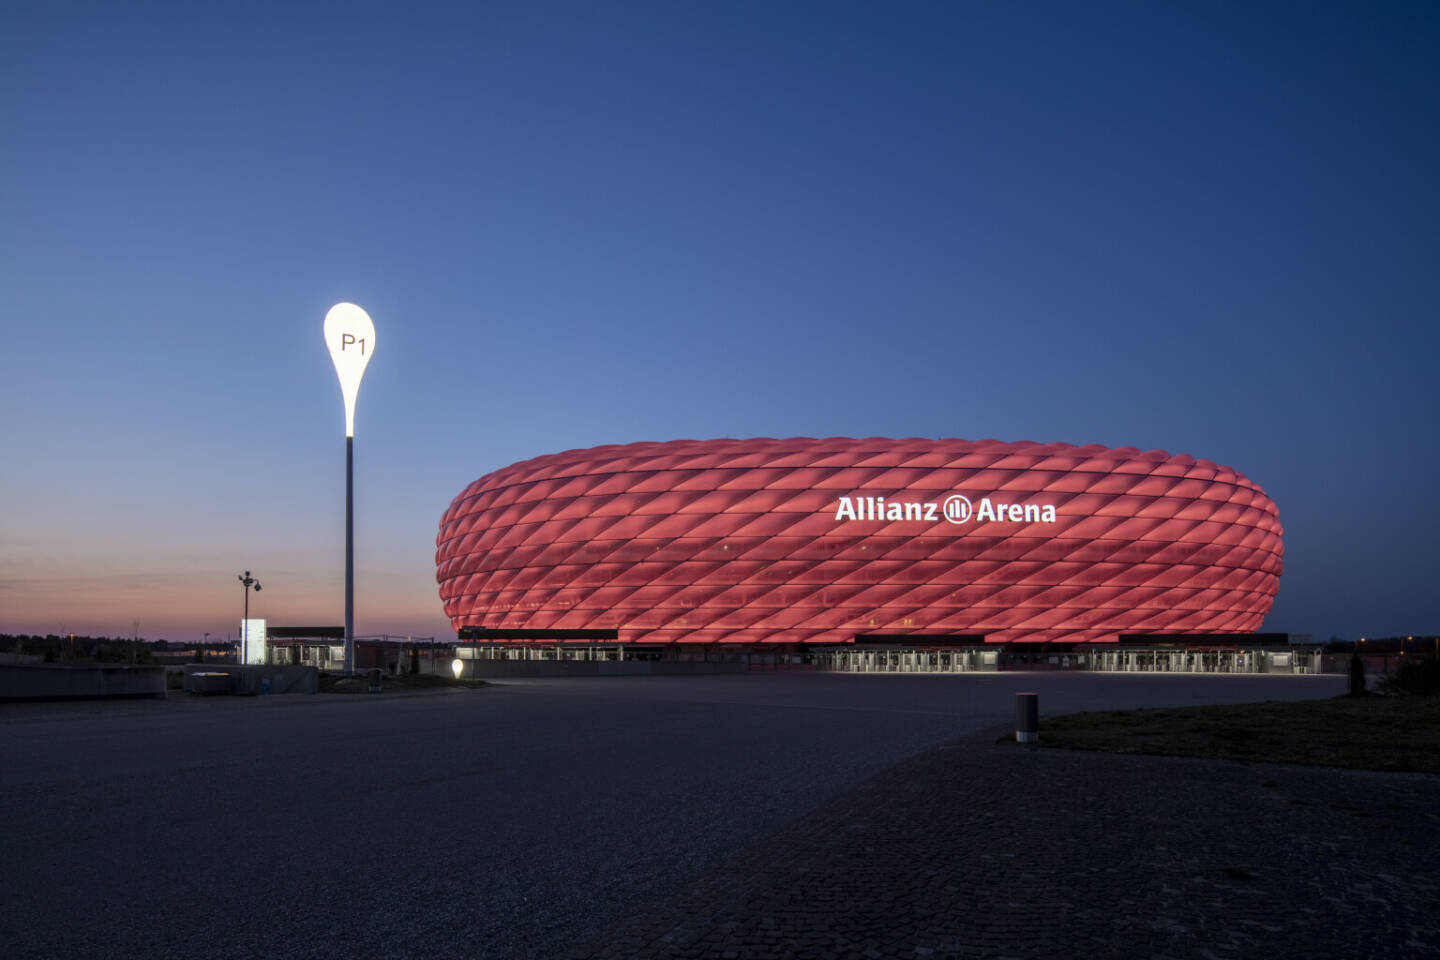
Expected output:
{"points": [[1210, 231]]}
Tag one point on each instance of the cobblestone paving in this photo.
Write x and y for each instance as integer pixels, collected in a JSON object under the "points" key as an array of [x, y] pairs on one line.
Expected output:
{"points": [[985, 850]]}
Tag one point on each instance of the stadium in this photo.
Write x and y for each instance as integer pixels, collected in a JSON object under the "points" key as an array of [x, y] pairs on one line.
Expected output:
{"points": [[808, 545]]}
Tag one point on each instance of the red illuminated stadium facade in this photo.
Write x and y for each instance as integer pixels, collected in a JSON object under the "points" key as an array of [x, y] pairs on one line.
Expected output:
{"points": [[806, 542]]}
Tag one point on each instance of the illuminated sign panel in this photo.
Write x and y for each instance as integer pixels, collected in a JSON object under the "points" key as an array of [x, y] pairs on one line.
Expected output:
{"points": [[252, 641], [814, 541]]}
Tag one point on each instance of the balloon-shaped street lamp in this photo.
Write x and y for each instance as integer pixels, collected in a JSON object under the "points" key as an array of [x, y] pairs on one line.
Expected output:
{"points": [[350, 336]]}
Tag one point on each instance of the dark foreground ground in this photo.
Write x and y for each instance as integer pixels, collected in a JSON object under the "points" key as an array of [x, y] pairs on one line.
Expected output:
{"points": [[775, 815], [980, 850]]}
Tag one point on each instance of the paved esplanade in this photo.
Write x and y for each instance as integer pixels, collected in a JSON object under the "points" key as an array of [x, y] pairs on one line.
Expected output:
{"points": [[532, 818]]}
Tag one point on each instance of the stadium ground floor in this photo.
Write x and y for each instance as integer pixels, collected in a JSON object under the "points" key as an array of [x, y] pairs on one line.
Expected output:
{"points": [[1207, 656], [495, 652]]}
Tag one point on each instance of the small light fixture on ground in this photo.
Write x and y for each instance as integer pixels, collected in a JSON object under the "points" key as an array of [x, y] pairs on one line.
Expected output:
{"points": [[350, 337], [457, 667]]}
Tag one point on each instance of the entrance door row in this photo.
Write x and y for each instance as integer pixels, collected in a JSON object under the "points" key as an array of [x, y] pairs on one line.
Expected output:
{"points": [[1202, 661], [1106, 661], [906, 661]]}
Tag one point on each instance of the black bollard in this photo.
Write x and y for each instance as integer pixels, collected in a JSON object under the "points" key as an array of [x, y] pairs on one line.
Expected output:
{"points": [[1027, 717]]}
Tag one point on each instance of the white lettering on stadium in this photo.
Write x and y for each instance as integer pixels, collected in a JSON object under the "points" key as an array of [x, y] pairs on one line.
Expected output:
{"points": [[955, 509]]}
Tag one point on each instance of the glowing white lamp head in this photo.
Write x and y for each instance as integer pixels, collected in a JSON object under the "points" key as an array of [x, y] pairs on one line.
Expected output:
{"points": [[350, 335], [457, 667]]}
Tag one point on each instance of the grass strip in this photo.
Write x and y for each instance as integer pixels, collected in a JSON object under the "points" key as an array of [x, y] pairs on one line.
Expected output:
{"points": [[1392, 733]]}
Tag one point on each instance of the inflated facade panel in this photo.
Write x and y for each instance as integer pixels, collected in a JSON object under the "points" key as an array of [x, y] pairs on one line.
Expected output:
{"points": [[814, 541]]}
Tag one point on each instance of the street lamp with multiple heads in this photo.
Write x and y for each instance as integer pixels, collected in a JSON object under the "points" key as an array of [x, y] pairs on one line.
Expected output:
{"points": [[350, 337], [246, 582]]}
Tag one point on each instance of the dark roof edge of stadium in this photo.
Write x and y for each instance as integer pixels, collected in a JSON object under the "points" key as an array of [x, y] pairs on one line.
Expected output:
{"points": [[284, 633], [481, 633], [1194, 639], [919, 639]]}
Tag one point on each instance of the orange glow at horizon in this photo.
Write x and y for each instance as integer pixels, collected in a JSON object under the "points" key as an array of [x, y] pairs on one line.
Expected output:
{"points": [[178, 604]]}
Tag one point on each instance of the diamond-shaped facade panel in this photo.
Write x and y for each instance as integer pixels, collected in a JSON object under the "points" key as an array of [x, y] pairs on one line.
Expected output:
{"points": [[814, 541]]}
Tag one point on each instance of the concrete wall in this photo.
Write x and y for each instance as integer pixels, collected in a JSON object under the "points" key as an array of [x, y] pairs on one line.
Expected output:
{"points": [[250, 680], [51, 682], [489, 669]]}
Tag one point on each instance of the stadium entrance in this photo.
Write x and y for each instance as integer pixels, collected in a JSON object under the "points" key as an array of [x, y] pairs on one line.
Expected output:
{"points": [[1205, 660], [1269, 653], [874, 658]]}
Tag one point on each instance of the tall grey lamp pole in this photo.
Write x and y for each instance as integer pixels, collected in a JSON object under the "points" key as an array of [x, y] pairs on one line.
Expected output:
{"points": [[350, 337], [246, 582]]}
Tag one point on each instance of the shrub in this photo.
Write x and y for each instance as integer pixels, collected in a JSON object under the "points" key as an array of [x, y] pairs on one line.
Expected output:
{"points": [[1357, 675], [1420, 677]]}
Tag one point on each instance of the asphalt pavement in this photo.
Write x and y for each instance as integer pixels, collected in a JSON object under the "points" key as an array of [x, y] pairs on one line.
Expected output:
{"points": [[523, 819]]}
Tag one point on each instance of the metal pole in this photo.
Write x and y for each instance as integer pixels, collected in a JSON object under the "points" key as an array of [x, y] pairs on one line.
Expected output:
{"points": [[245, 623], [349, 555]]}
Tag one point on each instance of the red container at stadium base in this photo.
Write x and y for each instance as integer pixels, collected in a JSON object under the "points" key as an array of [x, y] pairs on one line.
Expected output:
{"points": [[815, 541]]}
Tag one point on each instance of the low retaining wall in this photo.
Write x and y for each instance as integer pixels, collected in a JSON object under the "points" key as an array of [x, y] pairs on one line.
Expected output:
{"points": [[52, 682], [247, 680], [592, 668]]}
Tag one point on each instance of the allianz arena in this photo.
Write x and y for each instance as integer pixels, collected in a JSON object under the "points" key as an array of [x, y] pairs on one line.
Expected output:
{"points": [[805, 541]]}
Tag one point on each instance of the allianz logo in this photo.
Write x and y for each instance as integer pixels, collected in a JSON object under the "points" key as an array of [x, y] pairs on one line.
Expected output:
{"points": [[956, 509]]}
